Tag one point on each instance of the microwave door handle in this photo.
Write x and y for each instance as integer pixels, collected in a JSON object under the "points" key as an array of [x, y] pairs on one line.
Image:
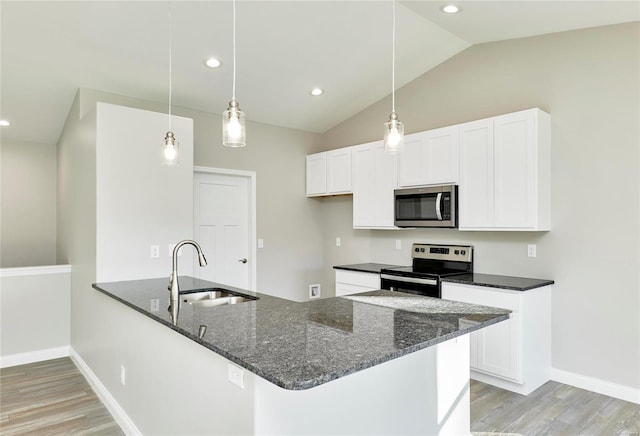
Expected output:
{"points": [[438, 206]]}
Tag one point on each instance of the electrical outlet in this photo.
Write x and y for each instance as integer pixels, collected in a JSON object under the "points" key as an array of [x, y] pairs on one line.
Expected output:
{"points": [[155, 305], [236, 375], [314, 291], [155, 251], [123, 375], [398, 244], [531, 250], [260, 243], [338, 242]]}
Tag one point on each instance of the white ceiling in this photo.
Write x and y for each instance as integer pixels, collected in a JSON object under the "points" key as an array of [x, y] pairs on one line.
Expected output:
{"points": [[50, 49]]}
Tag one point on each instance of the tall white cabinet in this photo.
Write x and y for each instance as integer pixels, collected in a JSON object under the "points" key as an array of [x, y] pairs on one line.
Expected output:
{"points": [[374, 179], [505, 167]]}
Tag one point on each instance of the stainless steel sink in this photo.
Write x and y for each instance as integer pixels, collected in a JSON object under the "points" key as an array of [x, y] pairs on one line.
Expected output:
{"points": [[214, 297]]}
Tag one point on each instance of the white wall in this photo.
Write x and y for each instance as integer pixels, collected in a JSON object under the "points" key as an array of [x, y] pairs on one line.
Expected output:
{"points": [[140, 201], [27, 204], [588, 81], [34, 313], [289, 224]]}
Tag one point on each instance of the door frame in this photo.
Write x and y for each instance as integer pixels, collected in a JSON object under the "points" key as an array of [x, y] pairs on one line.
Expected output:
{"points": [[252, 239]]}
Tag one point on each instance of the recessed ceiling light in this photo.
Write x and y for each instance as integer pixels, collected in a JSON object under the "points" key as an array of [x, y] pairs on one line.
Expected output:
{"points": [[451, 9], [212, 62], [316, 92], [4, 123]]}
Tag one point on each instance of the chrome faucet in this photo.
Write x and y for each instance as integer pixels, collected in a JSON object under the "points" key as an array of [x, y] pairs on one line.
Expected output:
{"points": [[174, 288]]}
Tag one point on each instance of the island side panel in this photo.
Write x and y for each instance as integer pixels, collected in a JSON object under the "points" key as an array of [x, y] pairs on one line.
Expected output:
{"points": [[426, 392], [174, 386]]}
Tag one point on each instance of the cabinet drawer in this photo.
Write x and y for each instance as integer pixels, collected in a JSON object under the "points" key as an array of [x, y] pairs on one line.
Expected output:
{"points": [[481, 295], [363, 279]]}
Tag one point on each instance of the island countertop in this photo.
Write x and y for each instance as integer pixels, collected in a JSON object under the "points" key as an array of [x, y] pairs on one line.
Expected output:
{"points": [[301, 345]]}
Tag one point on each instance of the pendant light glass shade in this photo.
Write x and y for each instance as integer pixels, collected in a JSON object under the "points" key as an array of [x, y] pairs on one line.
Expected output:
{"points": [[170, 145], [393, 135], [170, 148], [393, 129], [233, 127]]}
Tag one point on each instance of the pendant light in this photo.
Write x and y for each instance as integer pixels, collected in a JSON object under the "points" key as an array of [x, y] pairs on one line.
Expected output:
{"points": [[393, 129], [170, 145], [233, 127]]}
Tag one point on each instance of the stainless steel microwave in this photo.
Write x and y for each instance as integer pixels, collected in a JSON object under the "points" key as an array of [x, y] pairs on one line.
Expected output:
{"points": [[427, 206]]}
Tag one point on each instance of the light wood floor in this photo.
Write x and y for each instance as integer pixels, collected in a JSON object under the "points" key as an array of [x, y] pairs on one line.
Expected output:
{"points": [[53, 398], [553, 409]]}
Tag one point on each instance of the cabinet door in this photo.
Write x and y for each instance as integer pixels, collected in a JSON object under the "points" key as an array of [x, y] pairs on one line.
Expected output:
{"points": [[410, 161], [429, 158], [339, 171], [515, 169], [316, 174], [374, 179], [476, 198], [440, 156], [497, 349]]}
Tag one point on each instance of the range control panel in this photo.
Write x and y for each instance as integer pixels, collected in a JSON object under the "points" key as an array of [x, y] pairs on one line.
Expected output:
{"points": [[458, 253]]}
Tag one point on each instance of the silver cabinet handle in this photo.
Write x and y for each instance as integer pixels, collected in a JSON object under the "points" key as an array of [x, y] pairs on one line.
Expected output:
{"points": [[243, 260]]}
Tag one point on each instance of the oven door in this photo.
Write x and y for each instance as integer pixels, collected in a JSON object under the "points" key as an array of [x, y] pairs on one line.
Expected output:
{"points": [[427, 287]]}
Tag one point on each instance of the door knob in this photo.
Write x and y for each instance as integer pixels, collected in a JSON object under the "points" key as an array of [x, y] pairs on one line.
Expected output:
{"points": [[243, 260]]}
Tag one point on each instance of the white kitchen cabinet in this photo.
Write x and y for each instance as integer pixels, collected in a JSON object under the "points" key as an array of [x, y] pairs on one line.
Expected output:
{"points": [[505, 172], [353, 282], [329, 172], [513, 354], [429, 158], [374, 179]]}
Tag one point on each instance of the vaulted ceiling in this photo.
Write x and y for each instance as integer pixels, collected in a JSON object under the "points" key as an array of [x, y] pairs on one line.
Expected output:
{"points": [[50, 49]]}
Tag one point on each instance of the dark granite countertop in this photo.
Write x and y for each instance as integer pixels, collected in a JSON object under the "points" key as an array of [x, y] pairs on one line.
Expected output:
{"points": [[302, 345], [366, 267], [497, 281]]}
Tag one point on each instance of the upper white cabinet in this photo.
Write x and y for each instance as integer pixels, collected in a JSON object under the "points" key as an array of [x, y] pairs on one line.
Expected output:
{"points": [[505, 171], [329, 172], [374, 179], [429, 158]]}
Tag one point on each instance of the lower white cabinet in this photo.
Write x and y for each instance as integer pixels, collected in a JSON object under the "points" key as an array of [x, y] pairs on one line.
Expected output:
{"points": [[354, 282], [513, 354]]}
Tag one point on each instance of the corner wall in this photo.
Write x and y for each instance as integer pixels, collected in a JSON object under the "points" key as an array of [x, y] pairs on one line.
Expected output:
{"points": [[28, 204], [588, 81]]}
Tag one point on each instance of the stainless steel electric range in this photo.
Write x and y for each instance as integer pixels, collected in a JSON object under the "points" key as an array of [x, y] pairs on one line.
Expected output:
{"points": [[431, 262]]}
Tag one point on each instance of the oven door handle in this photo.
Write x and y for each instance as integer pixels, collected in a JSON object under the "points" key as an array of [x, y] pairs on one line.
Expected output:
{"points": [[439, 206], [420, 281]]}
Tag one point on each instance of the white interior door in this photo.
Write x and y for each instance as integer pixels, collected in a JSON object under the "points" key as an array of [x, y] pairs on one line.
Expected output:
{"points": [[223, 226]]}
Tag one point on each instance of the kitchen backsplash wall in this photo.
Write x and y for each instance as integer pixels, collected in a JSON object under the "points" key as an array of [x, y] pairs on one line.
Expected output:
{"points": [[588, 81]]}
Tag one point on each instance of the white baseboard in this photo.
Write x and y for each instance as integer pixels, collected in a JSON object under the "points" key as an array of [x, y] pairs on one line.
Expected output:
{"points": [[33, 356], [118, 413], [597, 385]]}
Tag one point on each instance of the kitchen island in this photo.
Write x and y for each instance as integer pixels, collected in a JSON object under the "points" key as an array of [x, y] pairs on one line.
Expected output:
{"points": [[375, 363]]}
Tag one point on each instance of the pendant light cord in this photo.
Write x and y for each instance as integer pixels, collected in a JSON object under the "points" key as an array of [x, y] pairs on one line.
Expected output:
{"points": [[393, 60], [170, 66], [233, 92]]}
